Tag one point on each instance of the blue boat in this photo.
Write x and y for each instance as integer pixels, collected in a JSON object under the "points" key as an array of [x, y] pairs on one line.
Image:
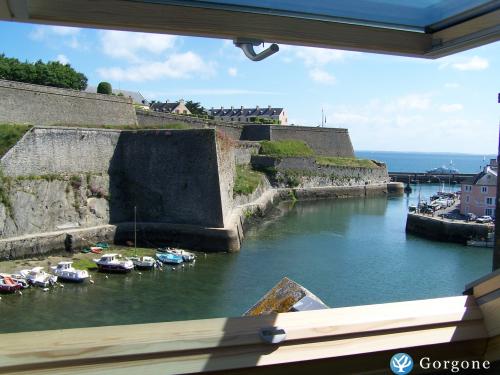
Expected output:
{"points": [[169, 258]]}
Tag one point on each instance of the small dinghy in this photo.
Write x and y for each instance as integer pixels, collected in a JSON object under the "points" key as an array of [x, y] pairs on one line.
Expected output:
{"points": [[65, 272], [143, 263], [8, 284], [111, 263], [169, 258], [37, 276]]}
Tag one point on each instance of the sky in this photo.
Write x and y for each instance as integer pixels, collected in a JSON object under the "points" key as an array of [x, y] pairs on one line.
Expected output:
{"points": [[388, 103]]}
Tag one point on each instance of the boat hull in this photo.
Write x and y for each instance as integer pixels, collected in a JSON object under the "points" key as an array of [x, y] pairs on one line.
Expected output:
{"points": [[113, 268]]}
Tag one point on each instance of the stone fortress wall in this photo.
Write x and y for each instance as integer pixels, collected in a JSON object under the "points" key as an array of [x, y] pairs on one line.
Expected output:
{"points": [[89, 181], [323, 141], [56, 178], [24, 103]]}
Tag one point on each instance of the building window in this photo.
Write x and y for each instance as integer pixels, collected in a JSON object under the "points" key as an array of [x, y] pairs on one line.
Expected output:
{"points": [[467, 198], [484, 189], [468, 188], [488, 212], [489, 201]]}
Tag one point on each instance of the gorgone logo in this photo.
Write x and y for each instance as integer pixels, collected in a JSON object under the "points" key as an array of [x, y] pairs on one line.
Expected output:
{"points": [[401, 363]]}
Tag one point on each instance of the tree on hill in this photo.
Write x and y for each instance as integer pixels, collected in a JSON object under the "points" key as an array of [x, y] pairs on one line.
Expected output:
{"points": [[52, 73], [104, 88], [195, 108]]}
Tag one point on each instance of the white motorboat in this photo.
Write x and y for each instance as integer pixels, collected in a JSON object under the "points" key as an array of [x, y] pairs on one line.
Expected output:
{"points": [[37, 276], [111, 263], [143, 263], [65, 272], [186, 255]]}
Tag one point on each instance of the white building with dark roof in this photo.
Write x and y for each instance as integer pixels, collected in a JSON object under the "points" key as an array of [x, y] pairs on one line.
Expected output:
{"points": [[249, 115]]}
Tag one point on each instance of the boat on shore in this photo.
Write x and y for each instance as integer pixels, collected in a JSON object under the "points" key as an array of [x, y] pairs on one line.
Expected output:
{"points": [[65, 272], [111, 263], [143, 263], [38, 277], [8, 284], [169, 258]]}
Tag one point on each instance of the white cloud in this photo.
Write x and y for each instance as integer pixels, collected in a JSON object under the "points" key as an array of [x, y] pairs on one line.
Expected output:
{"points": [[452, 85], [207, 92], [180, 66], [63, 30], [474, 63], [57, 35], [321, 76], [131, 45], [63, 59], [38, 33], [447, 108], [317, 56], [414, 102], [233, 72], [408, 122]]}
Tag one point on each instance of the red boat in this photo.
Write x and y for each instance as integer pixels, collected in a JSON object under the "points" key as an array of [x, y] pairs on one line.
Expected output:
{"points": [[8, 285]]}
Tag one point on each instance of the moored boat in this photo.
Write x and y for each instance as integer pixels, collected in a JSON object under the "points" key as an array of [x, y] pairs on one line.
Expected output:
{"points": [[143, 263], [169, 258], [8, 285], [186, 255], [65, 272], [111, 263], [37, 276]]}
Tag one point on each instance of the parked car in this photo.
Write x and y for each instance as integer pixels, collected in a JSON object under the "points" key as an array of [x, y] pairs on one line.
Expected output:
{"points": [[484, 219], [471, 217]]}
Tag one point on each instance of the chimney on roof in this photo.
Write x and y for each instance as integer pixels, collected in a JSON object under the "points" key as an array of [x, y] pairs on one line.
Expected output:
{"points": [[241, 108], [257, 108], [181, 101], [268, 107], [166, 101], [232, 108], [221, 107]]}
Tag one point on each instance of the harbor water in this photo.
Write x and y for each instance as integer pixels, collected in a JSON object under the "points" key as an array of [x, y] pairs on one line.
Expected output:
{"points": [[422, 162], [347, 251]]}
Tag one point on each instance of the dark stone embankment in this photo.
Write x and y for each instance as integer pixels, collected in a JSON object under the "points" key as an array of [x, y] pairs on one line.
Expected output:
{"points": [[435, 228]]}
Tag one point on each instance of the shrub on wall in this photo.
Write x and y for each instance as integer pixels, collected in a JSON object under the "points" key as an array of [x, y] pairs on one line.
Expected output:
{"points": [[104, 88], [52, 73]]}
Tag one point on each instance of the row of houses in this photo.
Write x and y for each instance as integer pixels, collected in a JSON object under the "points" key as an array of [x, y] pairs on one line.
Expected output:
{"points": [[242, 114], [245, 115]]}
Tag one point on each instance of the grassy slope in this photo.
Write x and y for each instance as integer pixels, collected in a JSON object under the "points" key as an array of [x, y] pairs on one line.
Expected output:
{"points": [[246, 180], [286, 148], [289, 148], [10, 135], [345, 162]]}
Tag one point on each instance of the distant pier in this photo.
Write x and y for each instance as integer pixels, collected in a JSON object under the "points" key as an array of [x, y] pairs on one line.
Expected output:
{"points": [[423, 177]]}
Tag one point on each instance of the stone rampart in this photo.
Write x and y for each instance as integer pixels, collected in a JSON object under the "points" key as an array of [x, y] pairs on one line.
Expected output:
{"points": [[244, 150], [74, 178], [24, 103], [444, 229], [57, 150], [323, 141], [307, 173]]}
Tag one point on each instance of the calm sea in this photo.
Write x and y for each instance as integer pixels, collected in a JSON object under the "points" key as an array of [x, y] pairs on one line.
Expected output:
{"points": [[422, 162]]}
